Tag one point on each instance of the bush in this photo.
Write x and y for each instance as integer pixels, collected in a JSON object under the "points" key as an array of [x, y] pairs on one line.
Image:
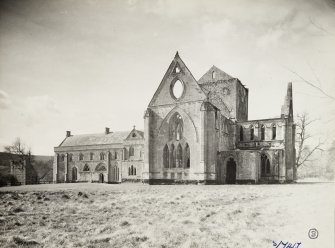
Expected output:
{"points": [[7, 180]]}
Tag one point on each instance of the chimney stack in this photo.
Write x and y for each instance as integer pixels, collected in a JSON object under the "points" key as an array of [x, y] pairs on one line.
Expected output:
{"points": [[107, 130], [68, 134]]}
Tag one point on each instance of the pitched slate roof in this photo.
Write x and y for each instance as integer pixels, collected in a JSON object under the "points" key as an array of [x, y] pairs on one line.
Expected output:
{"points": [[95, 139]]}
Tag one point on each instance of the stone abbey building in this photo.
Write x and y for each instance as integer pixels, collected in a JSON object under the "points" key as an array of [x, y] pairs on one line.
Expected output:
{"points": [[194, 131]]}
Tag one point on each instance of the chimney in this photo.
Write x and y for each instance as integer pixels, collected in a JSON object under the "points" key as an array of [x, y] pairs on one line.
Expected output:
{"points": [[106, 130], [68, 134]]}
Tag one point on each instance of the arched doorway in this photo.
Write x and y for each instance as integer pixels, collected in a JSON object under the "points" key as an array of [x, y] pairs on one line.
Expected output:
{"points": [[101, 178], [265, 166], [231, 171], [74, 174]]}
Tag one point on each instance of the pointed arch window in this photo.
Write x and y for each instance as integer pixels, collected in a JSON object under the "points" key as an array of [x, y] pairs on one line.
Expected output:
{"points": [[187, 156], [62, 158], [102, 156], [241, 133], [252, 133], [274, 131], [262, 132], [172, 157], [166, 156], [81, 156], [179, 156]]}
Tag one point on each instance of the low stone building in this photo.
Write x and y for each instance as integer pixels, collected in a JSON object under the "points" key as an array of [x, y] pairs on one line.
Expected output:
{"points": [[110, 157], [194, 131]]}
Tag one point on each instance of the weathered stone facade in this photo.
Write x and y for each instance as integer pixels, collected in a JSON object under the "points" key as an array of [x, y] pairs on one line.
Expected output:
{"points": [[194, 132], [203, 134], [110, 157]]}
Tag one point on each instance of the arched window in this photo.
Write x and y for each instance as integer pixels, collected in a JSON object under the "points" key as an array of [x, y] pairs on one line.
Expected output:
{"points": [[274, 131], [265, 165], [252, 133], [86, 167], [213, 75], [241, 133], [166, 156], [81, 156], [172, 157], [132, 171], [179, 156], [176, 127], [91, 156], [70, 157], [125, 154], [131, 151], [74, 174], [262, 132], [102, 156], [62, 158], [187, 156]]}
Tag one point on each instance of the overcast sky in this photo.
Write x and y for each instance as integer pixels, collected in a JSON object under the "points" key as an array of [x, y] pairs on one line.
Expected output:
{"points": [[82, 65]]}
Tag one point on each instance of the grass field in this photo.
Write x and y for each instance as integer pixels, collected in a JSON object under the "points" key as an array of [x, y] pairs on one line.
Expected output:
{"points": [[136, 215]]}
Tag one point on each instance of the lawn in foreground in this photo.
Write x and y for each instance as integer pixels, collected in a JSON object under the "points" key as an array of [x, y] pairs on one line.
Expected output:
{"points": [[137, 215]]}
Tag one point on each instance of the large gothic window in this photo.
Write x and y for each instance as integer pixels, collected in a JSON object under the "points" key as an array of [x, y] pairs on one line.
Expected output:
{"points": [[176, 127], [166, 156], [179, 156], [187, 156]]}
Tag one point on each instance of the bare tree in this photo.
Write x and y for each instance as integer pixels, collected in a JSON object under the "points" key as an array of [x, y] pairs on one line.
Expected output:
{"points": [[304, 152], [19, 149]]}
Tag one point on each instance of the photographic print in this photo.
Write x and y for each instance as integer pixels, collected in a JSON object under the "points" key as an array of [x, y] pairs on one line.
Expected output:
{"points": [[143, 123]]}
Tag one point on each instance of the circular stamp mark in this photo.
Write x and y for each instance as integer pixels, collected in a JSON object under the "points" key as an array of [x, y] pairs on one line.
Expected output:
{"points": [[313, 233]]}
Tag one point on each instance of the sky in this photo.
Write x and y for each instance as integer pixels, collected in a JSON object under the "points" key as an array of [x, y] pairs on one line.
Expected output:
{"points": [[83, 65]]}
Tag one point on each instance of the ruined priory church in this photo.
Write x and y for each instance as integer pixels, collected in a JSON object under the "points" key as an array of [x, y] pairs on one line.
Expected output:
{"points": [[195, 131]]}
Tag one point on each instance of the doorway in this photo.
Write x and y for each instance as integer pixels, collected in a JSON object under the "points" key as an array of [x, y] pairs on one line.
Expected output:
{"points": [[101, 178], [231, 171]]}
